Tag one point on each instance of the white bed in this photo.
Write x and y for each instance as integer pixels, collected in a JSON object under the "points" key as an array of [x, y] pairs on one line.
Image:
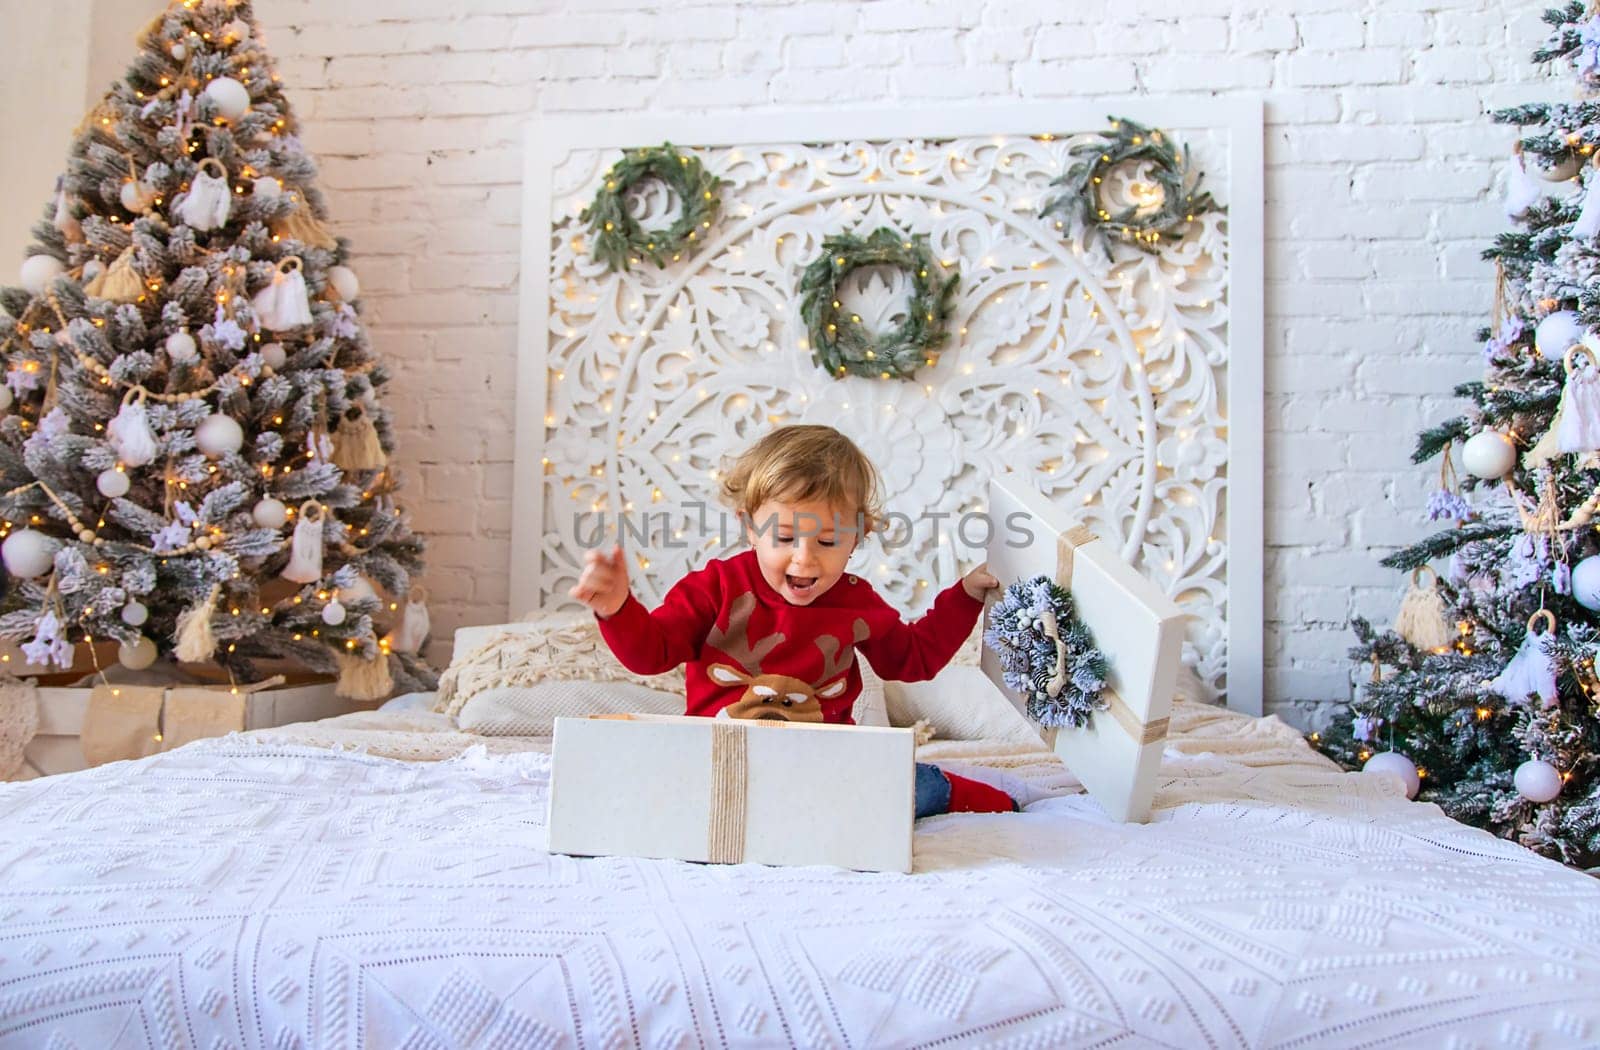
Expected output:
{"points": [[283, 889]]}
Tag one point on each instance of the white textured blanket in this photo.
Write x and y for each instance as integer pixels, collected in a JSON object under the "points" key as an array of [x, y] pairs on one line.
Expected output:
{"points": [[242, 893]]}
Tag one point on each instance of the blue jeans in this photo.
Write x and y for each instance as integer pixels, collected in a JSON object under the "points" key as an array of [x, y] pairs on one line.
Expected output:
{"points": [[933, 791]]}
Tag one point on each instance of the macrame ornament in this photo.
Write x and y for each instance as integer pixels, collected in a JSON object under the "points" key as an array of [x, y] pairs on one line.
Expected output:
{"points": [[363, 679], [1523, 188], [130, 432], [194, 636], [120, 282], [1577, 421], [355, 442], [1588, 222], [206, 205], [305, 546], [1532, 671], [284, 304], [408, 635], [1422, 618], [300, 225]]}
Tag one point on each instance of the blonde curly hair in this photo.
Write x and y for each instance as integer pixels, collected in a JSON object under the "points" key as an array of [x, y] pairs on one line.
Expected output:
{"points": [[804, 463]]}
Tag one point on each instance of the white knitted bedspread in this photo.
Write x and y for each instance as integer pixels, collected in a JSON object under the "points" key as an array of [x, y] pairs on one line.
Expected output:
{"points": [[246, 893]]}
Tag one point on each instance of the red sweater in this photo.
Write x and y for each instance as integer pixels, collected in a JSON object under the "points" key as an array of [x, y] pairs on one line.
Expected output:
{"points": [[726, 622]]}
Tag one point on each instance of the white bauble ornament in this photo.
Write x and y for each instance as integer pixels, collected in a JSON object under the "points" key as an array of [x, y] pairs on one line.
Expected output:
{"points": [[113, 483], [39, 270], [274, 356], [5, 397], [180, 52], [1394, 764], [134, 614], [270, 513], [29, 553], [219, 435], [1560, 171], [343, 280], [1537, 781], [266, 189], [1556, 333], [360, 591], [181, 348], [136, 196], [1586, 582], [229, 96], [1488, 454], [333, 613], [137, 654]]}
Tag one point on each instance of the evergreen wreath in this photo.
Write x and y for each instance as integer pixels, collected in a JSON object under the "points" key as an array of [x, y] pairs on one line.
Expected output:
{"points": [[840, 345], [1128, 142], [620, 240], [1047, 653]]}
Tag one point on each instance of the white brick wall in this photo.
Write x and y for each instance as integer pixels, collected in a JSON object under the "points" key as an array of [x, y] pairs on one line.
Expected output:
{"points": [[1380, 168]]}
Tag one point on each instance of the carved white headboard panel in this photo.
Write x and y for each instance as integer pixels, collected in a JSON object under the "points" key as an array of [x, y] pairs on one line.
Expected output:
{"points": [[1129, 386]]}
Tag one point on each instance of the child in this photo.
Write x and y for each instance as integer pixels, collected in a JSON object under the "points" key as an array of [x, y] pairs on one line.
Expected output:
{"points": [[771, 633]]}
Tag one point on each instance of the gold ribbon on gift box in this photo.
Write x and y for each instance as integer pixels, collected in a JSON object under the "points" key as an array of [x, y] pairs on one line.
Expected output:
{"points": [[1139, 730], [134, 721], [729, 780]]}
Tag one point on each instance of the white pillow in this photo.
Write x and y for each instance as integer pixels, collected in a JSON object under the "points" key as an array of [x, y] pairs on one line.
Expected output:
{"points": [[531, 710], [960, 703]]}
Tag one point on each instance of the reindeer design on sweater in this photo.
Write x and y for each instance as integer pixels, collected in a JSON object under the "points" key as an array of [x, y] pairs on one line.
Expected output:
{"points": [[777, 697]]}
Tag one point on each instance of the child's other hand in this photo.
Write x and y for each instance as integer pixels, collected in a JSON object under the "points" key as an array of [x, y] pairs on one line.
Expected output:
{"points": [[603, 587], [979, 582]]}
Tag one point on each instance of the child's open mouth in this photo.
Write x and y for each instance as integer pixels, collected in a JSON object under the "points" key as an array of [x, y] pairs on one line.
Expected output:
{"points": [[801, 584]]}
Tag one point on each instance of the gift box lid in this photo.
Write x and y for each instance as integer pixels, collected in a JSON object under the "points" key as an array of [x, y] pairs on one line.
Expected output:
{"points": [[1136, 626]]}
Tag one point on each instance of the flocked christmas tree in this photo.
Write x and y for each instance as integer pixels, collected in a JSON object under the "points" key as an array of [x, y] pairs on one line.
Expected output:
{"points": [[1484, 695], [193, 456]]}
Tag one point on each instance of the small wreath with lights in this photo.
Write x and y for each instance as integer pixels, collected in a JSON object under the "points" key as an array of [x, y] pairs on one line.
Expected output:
{"points": [[619, 239], [1181, 199], [1047, 653], [840, 343]]}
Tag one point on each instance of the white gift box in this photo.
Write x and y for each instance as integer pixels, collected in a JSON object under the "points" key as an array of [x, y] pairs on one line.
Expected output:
{"points": [[1139, 629], [733, 791]]}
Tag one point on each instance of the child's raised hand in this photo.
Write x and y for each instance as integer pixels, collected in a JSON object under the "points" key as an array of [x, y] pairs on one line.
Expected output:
{"points": [[979, 582], [603, 587]]}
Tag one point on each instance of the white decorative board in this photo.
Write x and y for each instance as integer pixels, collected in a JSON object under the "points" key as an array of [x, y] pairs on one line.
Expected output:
{"points": [[1127, 385]]}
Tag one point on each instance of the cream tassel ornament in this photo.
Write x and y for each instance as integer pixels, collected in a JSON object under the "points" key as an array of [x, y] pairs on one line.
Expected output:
{"points": [[1531, 671], [408, 635], [284, 304], [363, 679], [1421, 620], [64, 220], [196, 642], [1588, 222], [206, 205], [1523, 190], [120, 282], [305, 546], [300, 225], [130, 432], [1577, 422], [355, 443]]}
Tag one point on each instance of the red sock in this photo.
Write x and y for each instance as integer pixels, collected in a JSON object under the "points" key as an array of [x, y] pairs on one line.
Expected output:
{"points": [[971, 796]]}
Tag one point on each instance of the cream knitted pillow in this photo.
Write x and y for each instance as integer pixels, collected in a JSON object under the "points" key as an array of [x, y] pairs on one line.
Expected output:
{"points": [[561, 647]]}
